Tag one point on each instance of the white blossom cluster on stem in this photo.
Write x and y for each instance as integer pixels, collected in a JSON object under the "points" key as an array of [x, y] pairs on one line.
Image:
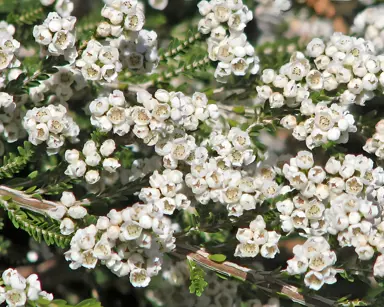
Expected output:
{"points": [[219, 177], [74, 211], [257, 239], [344, 61], [225, 21], [369, 25], [124, 22], [57, 36], [91, 160], [10, 126], [375, 144], [124, 14], [8, 46], [99, 62], [51, 125], [19, 291], [63, 85], [316, 260], [341, 199], [138, 51], [63, 7], [324, 124], [155, 117]]}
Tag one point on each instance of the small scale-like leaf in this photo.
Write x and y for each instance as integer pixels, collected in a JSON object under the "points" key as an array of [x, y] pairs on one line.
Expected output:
{"points": [[219, 258]]}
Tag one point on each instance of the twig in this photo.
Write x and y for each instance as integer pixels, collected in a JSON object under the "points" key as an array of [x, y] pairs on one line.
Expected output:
{"points": [[264, 280], [44, 207], [184, 45]]}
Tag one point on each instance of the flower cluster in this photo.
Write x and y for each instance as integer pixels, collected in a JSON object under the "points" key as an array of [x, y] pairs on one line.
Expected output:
{"points": [[57, 36], [137, 47], [165, 192], [111, 113], [342, 199], [99, 62], [345, 62], [257, 239], [138, 52], [155, 117], [8, 46], [368, 24], [128, 242], [74, 211], [127, 14], [63, 7], [93, 156], [375, 144], [234, 53], [9, 119], [51, 125], [219, 178], [20, 291], [63, 85], [324, 124], [314, 259]]}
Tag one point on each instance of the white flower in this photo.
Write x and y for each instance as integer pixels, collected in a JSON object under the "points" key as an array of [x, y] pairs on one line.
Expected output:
{"points": [[314, 280], [134, 21], [139, 278], [247, 250], [77, 212], [111, 165], [92, 176], [89, 148], [67, 226], [288, 122], [108, 147], [130, 231], [15, 297], [76, 169], [378, 268], [315, 48], [68, 199]]}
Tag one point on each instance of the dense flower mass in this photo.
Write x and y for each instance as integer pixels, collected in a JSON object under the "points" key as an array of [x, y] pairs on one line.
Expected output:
{"points": [[375, 144], [51, 125], [368, 24], [18, 291], [57, 36], [314, 259], [233, 52]]}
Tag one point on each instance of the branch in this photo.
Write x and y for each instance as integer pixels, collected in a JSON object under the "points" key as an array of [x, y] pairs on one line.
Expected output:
{"points": [[45, 207], [183, 45], [264, 280]]}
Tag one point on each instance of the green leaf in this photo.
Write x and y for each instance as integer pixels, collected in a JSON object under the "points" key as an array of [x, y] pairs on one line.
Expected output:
{"points": [[239, 109], [33, 175], [219, 258], [13, 164], [38, 227]]}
